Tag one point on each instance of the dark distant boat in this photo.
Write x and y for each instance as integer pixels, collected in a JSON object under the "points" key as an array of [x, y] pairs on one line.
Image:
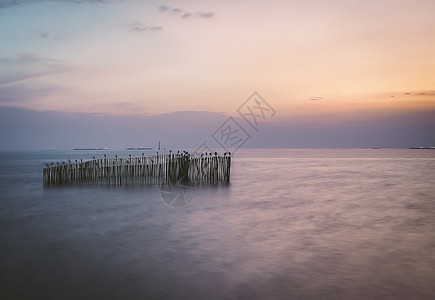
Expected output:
{"points": [[139, 148], [374, 147], [91, 149]]}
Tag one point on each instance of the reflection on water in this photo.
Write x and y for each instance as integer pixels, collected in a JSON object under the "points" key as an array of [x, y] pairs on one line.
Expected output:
{"points": [[310, 224]]}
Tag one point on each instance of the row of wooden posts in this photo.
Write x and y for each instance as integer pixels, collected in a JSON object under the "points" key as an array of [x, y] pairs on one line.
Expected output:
{"points": [[157, 169]]}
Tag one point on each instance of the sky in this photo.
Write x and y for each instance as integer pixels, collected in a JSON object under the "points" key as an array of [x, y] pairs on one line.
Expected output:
{"points": [[313, 61]]}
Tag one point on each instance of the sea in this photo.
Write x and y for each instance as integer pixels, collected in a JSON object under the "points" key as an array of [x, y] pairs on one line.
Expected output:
{"points": [[291, 224]]}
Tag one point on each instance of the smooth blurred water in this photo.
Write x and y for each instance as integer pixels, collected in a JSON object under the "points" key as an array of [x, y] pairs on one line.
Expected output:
{"points": [[293, 224]]}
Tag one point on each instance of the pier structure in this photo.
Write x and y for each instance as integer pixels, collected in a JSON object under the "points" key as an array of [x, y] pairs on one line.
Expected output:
{"points": [[152, 170]]}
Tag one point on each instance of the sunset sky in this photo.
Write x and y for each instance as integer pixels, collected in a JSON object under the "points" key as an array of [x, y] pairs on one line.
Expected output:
{"points": [[151, 57]]}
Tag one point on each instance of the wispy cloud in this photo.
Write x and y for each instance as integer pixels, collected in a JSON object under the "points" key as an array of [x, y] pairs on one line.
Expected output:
{"points": [[184, 14], [5, 4], [45, 35], [419, 93], [29, 66], [19, 84], [164, 8], [138, 27], [426, 93], [201, 14], [16, 95], [121, 107], [177, 10]]}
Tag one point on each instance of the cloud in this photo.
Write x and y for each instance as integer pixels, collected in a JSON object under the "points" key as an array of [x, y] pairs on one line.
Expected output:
{"points": [[48, 36], [205, 15], [23, 94], [21, 128], [174, 10], [426, 93], [18, 75], [29, 66], [156, 28], [163, 8], [184, 14], [6, 4], [121, 107], [138, 27], [177, 10]]}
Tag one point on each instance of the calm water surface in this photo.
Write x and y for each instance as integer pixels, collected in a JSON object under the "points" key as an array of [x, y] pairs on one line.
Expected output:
{"points": [[293, 224]]}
